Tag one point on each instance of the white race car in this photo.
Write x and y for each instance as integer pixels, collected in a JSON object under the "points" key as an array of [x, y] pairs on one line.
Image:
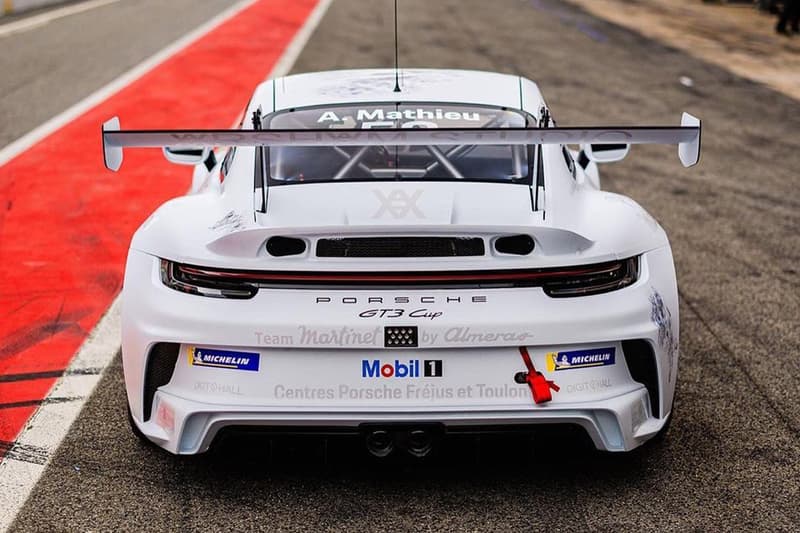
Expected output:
{"points": [[399, 264]]}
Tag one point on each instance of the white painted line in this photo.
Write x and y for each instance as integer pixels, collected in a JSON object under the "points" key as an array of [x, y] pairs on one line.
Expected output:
{"points": [[37, 134], [290, 54], [25, 462], [35, 21], [283, 66]]}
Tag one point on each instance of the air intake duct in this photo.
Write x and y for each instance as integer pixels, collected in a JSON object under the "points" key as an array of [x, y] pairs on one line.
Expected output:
{"points": [[160, 366], [514, 244], [641, 361], [283, 246]]}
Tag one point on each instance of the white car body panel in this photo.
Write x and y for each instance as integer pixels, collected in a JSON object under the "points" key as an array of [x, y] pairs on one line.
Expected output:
{"points": [[316, 339], [419, 85]]}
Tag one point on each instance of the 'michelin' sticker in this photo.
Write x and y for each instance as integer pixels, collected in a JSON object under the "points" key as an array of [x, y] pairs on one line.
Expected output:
{"points": [[580, 359], [223, 359]]}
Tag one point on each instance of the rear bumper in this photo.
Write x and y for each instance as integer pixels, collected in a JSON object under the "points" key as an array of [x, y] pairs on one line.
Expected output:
{"points": [[187, 427], [315, 338]]}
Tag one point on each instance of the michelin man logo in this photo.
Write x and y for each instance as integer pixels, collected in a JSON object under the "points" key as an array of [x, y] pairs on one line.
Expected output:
{"points": [[398, 204], [577, 359]]}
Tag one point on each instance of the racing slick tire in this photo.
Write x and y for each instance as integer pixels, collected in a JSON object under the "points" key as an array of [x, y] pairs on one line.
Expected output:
{"points": [[662, 433], [136, 431]]}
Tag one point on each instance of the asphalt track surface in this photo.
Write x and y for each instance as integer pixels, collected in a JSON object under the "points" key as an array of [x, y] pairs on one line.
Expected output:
{"points": [[49, 68], [731, 460], [66, 222], [46, 70]]}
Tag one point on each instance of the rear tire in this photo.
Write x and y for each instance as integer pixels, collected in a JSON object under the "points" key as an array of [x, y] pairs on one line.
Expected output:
{"points": [[135, 429], [659, 437]]}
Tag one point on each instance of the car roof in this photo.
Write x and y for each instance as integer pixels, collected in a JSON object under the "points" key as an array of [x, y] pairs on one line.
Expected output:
{"points": [[417, 85]]}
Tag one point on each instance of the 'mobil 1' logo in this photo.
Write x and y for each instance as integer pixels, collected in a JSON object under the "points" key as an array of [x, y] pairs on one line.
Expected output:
{"points": [[374, 368]]}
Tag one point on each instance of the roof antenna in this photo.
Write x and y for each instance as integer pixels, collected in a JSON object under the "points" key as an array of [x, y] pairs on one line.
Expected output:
{"points": [[396, 62]]}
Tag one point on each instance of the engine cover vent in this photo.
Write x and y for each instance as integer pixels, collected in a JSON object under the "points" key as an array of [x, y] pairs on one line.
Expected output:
{"points": [[283, 246], [401, 247], [514, 244]]}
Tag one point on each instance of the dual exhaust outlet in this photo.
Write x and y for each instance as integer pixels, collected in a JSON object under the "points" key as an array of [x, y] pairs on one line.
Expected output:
{"points": [[382, 441]]}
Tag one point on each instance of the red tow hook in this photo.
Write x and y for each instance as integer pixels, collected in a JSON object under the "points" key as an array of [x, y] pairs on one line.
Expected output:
{"points": [[539, 385]]}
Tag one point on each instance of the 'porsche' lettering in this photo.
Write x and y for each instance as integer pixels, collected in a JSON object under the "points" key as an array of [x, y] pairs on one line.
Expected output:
{"points": [[400, 300]]}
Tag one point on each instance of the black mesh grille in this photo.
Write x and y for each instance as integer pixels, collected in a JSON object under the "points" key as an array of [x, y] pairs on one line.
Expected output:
{"points": [[401, 247], [641, 361], [160, 365]]}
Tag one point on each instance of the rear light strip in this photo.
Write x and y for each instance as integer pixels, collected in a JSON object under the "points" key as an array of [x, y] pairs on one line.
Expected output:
{"points": [[556, 282]]}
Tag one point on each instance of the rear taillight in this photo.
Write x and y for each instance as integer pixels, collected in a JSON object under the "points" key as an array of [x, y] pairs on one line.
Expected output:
{"points": [[185, 279], [563, 282], [601, 278]]}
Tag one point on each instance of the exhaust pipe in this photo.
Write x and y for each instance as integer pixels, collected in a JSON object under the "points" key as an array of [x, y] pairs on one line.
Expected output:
{"points": [[380, 442], [419, 442]]}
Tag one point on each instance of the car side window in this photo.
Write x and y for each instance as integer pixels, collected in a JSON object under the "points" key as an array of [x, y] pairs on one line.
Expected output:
{"points": [[568, 159]]}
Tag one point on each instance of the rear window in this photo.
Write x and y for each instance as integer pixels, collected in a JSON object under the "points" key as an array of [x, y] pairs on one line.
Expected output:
{"points": [[295, 164]]}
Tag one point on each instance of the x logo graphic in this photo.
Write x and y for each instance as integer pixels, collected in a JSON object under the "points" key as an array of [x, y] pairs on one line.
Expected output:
{"points": [[398, 204]]}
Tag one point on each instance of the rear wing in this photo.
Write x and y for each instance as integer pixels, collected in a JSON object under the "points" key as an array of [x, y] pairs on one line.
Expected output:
{"points": [[686, 136]]}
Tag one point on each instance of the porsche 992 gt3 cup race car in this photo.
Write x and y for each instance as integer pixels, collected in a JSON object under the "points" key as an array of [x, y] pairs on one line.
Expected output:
{"points": [[400, 265]]}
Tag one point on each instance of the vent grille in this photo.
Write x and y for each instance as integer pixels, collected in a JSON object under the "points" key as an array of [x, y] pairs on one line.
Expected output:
{"points": [[401, 247], [160, 366], [641, 361]]}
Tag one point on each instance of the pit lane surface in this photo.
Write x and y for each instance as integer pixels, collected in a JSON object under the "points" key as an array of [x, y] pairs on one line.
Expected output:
{"points": [[731, 459], [67, 221]]}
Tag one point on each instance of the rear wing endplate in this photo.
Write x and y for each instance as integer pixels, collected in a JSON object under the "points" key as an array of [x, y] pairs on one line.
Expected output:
{"points": [[686, 136]]}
